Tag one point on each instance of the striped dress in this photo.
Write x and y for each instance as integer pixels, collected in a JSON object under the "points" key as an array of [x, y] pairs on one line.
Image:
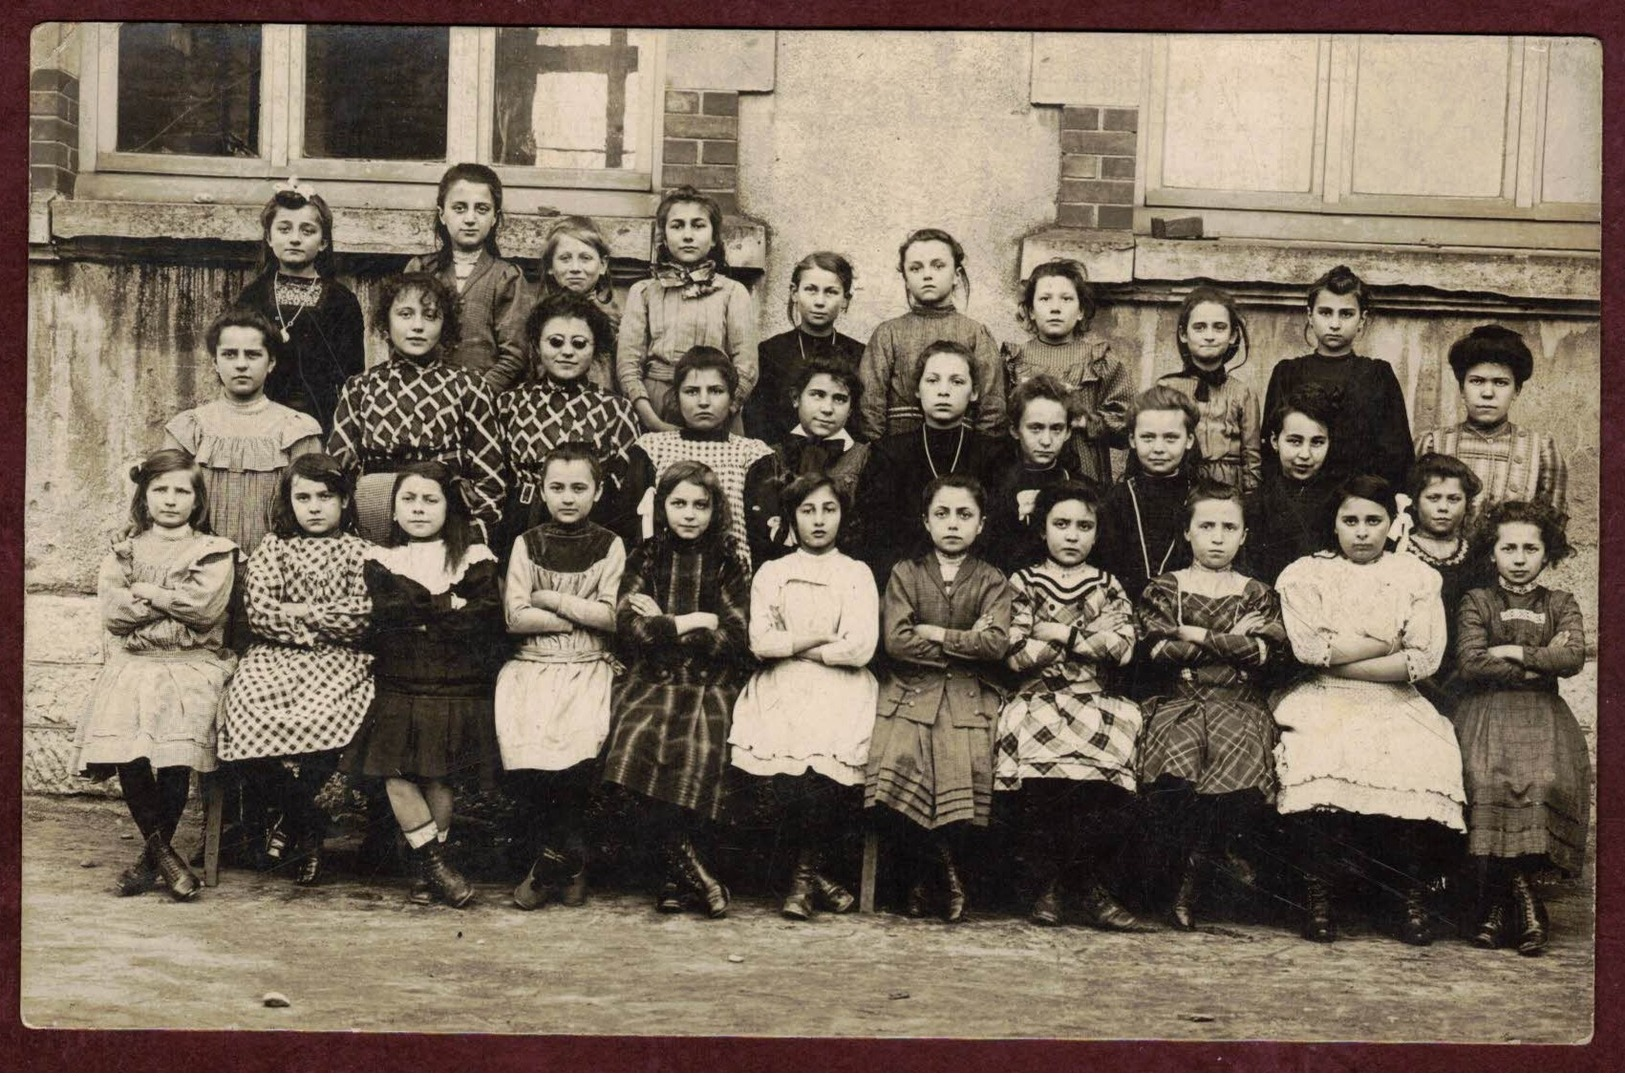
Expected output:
{"points": [[670, 709], [1514, 464], [1101, 392], [931, 753], [1061, 723], [890, 372], [1211, 725], [662, 322]]}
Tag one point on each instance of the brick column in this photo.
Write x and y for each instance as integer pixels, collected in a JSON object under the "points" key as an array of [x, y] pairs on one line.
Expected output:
{"points": [[53, 132], [702, 144], [1097, 167]]}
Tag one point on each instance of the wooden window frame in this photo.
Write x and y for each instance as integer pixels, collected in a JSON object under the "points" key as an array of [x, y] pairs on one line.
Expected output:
{"points": [[107, 172], [1331, 185]]}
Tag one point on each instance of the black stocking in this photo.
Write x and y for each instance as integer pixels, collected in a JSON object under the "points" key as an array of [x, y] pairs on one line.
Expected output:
{"points": [[141, 796]]}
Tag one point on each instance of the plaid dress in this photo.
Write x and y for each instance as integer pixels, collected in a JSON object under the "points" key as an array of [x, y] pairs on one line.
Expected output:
{"points": [[931, 753], [670, 709], [1514, 464], [402, 412], [1213, 726], [534, 418], [1528, 773], [1060, 723], [304, 685]]}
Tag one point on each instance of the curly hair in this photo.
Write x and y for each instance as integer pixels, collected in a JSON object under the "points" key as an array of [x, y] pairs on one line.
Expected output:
{"points": [[433, 290]]}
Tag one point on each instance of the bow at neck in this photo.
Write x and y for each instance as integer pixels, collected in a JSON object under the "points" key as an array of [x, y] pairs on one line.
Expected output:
{"points": [[696, 280]]}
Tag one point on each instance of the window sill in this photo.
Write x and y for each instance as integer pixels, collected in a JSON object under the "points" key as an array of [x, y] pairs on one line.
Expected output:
{"points": [[104, 222], [1124, 258]]}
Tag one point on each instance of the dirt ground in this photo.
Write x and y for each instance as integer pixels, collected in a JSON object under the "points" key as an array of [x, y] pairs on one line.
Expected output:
{"points": [[353, 955]]}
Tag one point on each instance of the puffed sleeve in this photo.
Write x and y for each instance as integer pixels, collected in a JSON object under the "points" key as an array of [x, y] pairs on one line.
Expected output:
{"points": [[989, 404], [900, 619], [1108, 421], [636, 630], [201, 593], [266, 616], [121, 611], [1252, 649], [1158, 617], [1425, 633], [345, 619], [182, 432], [731, 636], [1552, 481], [632, 343], [1308, 612], [509, 308], [1561, 659], [597, 611], [1390, 451], [858, 631], [1252, 460], [344, 443]]}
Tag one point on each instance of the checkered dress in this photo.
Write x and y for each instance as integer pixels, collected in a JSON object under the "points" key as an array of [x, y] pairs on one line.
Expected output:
{"points": [[1514, 464], [303, 686], [1528, 773], [1213, 728], [1060, 724], [534, 418], [402, 413], [668, 736], [730, 457]]}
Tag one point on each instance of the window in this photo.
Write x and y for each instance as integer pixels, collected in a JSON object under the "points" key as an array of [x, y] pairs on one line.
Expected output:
{"points": [[1496, 128], [549, 108]]}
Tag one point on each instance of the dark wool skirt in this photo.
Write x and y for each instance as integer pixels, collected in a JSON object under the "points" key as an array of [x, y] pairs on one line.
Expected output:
{"points": [[669, 740], [1220, 739], [408, 735], [1528, 777]]}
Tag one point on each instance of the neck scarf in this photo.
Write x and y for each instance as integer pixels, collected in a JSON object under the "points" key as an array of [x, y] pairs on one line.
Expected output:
{"points": [[696, 280]]}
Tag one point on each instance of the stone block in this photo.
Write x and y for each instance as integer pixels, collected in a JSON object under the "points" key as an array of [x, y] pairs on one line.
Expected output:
{"points": [[63, 629], [717, 178], [684, 126], [55, 695], [1113, 143], [48, 764], [681, 151], [722, 59]]}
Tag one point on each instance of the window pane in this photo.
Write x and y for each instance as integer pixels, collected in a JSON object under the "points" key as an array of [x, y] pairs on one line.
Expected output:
{"points": [[189, 88], [1573, 150], [376, 92], [1241, 113], [571, 98], [1430, 116]]}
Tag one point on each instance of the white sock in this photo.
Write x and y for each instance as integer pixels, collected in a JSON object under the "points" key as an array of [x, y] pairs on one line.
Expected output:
{"points": [[418, 837]]}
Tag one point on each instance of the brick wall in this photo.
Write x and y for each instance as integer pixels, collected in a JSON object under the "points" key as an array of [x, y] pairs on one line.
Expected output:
{"points": [[53, 131], [702, 144], [1098, 148]]}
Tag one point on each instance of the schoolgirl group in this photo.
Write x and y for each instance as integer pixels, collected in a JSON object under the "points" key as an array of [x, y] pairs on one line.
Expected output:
{"points": [[572, 544]]}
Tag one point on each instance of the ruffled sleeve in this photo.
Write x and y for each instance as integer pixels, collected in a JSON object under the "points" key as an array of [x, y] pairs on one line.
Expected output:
{"points": [[1306, 609], [1423, 636]]}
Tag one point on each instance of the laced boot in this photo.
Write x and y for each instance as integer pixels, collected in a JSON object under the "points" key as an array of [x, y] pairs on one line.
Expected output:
{"points": [[1530, 916], [701, 882], [831, 895], [1183, 911], [1046, 911], [1107, 913], [1415, 929], [443, 880], [182, 884], [954, 910], [798, 902], [137, 879], [1317, 908], [1490, 934]]}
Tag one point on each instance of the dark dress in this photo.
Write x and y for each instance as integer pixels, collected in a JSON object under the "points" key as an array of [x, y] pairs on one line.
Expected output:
{"points": [[769, 528], [434, 668], [534, 418], [769, 414], [1371, 433], [1286, 520], [900, 467], [1527, 770], [1461, 572], [1012, 539], [670, 710], [1142, 527], [324, 346], [1210, 723]]}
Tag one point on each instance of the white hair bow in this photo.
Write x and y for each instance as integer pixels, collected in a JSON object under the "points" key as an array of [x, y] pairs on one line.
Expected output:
{"points": [[1400, 529], [293, 186]]}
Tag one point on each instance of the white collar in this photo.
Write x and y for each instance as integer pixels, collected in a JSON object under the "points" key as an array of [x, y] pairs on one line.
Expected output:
{"points": [[846, 439]]}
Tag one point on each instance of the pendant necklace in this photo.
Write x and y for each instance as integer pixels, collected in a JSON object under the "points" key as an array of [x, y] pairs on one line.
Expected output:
{"points": [[932, 464], [1139, 526]]}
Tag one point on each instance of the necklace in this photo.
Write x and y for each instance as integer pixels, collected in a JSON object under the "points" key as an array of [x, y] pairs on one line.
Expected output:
{"points": [[801, 342], [925, 440], [1518, 588], [1420, 544], [1139, 527]]}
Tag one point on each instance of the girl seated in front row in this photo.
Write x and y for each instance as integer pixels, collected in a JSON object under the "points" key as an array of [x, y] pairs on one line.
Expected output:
{"points": [[303, 688], [1527, 768], [681, 626], [1063, 742], [945, 617], [163, 590], [552, 697], [436, 631], [805, 718], [1209, 736]]}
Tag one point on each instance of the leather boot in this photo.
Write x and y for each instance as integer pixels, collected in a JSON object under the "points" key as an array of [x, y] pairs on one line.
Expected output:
{"points": [[307, 870], [954, 911], [670, 898], [137, 879], [798, 902], [574, 890], [530, 894], [1317, 907], [1046, 911], [1415, 930], [831, 895], [443, 880], [1183, 911], [182, 884], [701, 882], [1530, 916], [919, 898], [1490, 934], [1107, 913]]}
